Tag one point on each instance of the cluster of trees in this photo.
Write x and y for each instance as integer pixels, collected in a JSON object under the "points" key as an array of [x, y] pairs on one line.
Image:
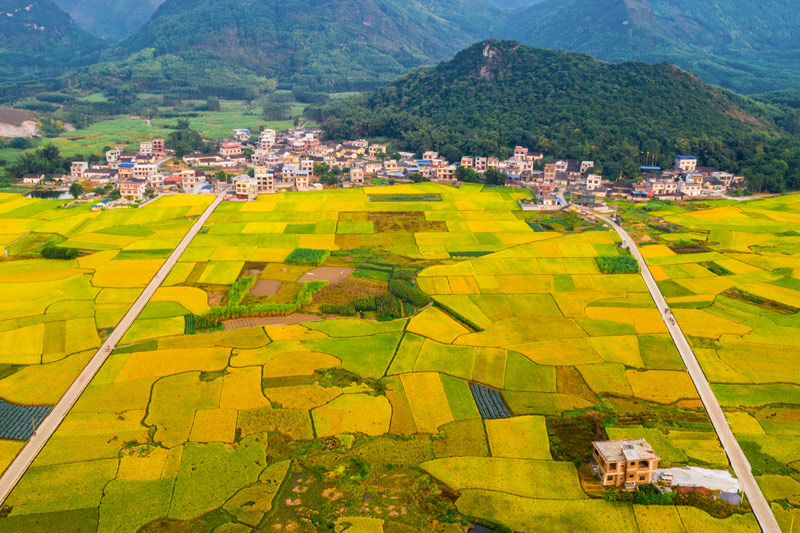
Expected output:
{"points": [[44, 160], [184, 140], [492, 176], [326, 175], [622, 116]]}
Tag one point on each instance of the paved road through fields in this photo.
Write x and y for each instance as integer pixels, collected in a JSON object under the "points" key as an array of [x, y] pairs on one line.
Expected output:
{"points": [[50, 424], [736, 457]]}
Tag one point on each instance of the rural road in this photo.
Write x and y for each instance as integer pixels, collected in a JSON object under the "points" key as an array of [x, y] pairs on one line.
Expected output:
{"points": [[736, 457], [50, 424]]}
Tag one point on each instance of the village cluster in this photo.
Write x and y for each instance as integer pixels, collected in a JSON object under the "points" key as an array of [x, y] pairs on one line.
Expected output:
{"points": [[287, 161]]}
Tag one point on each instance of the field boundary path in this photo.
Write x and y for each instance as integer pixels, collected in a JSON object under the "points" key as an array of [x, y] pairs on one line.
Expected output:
{"points": [[50, 424], [741, 466]]}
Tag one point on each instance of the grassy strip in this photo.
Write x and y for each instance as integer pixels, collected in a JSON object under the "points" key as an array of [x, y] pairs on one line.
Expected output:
{"points": [[405, 198], [364, 303], [617, 264], [307, 257], [240, 288], [409, 293], [194, 324], [719, 270], [458, 316], [764, 303]]}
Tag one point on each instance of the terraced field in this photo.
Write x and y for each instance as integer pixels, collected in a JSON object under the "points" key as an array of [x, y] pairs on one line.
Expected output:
{"points": [[368, 422], [731, 273]]}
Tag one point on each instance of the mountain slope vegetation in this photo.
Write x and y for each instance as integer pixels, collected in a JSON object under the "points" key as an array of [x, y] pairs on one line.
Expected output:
{"points": [[497, 94], [742, 45], [110, 19], [38, 39], [314, 44]]}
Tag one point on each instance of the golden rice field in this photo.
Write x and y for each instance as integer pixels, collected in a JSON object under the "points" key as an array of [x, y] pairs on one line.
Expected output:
{"points": [[350, 424]]}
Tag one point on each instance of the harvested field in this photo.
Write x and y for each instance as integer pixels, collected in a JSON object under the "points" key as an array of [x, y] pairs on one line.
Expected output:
{"points": [[241, 323], [332, 275], [265, 287]]}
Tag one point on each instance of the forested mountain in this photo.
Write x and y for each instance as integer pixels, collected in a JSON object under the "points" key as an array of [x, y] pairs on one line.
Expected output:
{"points": [[37, 39], [111, 19], [743, 45], [497, 94], [314, 44]]}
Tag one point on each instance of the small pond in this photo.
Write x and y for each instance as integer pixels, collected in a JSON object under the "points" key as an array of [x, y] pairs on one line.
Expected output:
{"points": [[50, 195]]}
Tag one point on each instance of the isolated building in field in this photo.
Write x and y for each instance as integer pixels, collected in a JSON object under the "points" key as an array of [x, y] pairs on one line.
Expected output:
{"points": [[625, 463]]}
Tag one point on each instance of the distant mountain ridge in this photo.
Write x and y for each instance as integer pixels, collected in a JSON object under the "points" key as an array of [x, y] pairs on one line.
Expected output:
{"points": [[317, 44], [110, 19], [38, 39], [742, 45]]}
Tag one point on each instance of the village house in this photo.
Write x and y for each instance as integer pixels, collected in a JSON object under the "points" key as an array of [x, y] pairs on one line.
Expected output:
{"points": [[199, 159], [132, 190], [32, 179], [100, 177], [146, 147], [159, 146], [625, 463], [246, 188], [265, 177], [156, 181], [77, 168], [241, 135], [593, 182], [690, 188], [230, 149], [143, 172], [376, 149], [357, 175], [113, 155], [302, 179], [685, 163]]}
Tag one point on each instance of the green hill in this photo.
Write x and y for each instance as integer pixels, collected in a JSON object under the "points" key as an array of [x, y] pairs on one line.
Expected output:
{"points": [[313, 44], [497, 94], [38, 39], [111, 19], [742, 45]]}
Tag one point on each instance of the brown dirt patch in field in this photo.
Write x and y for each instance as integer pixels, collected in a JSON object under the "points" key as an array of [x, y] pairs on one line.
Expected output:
{"points": [[350, 289], [265, 287], [241, 323], [333, 275], [397, 221], [215, 298]]}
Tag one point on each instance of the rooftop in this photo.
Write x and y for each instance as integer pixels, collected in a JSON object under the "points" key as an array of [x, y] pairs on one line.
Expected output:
{"points": [[625, 450]]}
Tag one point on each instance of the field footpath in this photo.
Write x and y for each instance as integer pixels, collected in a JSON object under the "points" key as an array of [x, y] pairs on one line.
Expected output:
{"points": [[50, 424], [741, 466]]}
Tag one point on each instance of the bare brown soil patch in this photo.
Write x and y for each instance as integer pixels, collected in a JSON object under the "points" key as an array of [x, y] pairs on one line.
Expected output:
{"points": [[265, 287], [215, 298], [350, 289], [241, 323], [397, 221], [333, 275]]}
